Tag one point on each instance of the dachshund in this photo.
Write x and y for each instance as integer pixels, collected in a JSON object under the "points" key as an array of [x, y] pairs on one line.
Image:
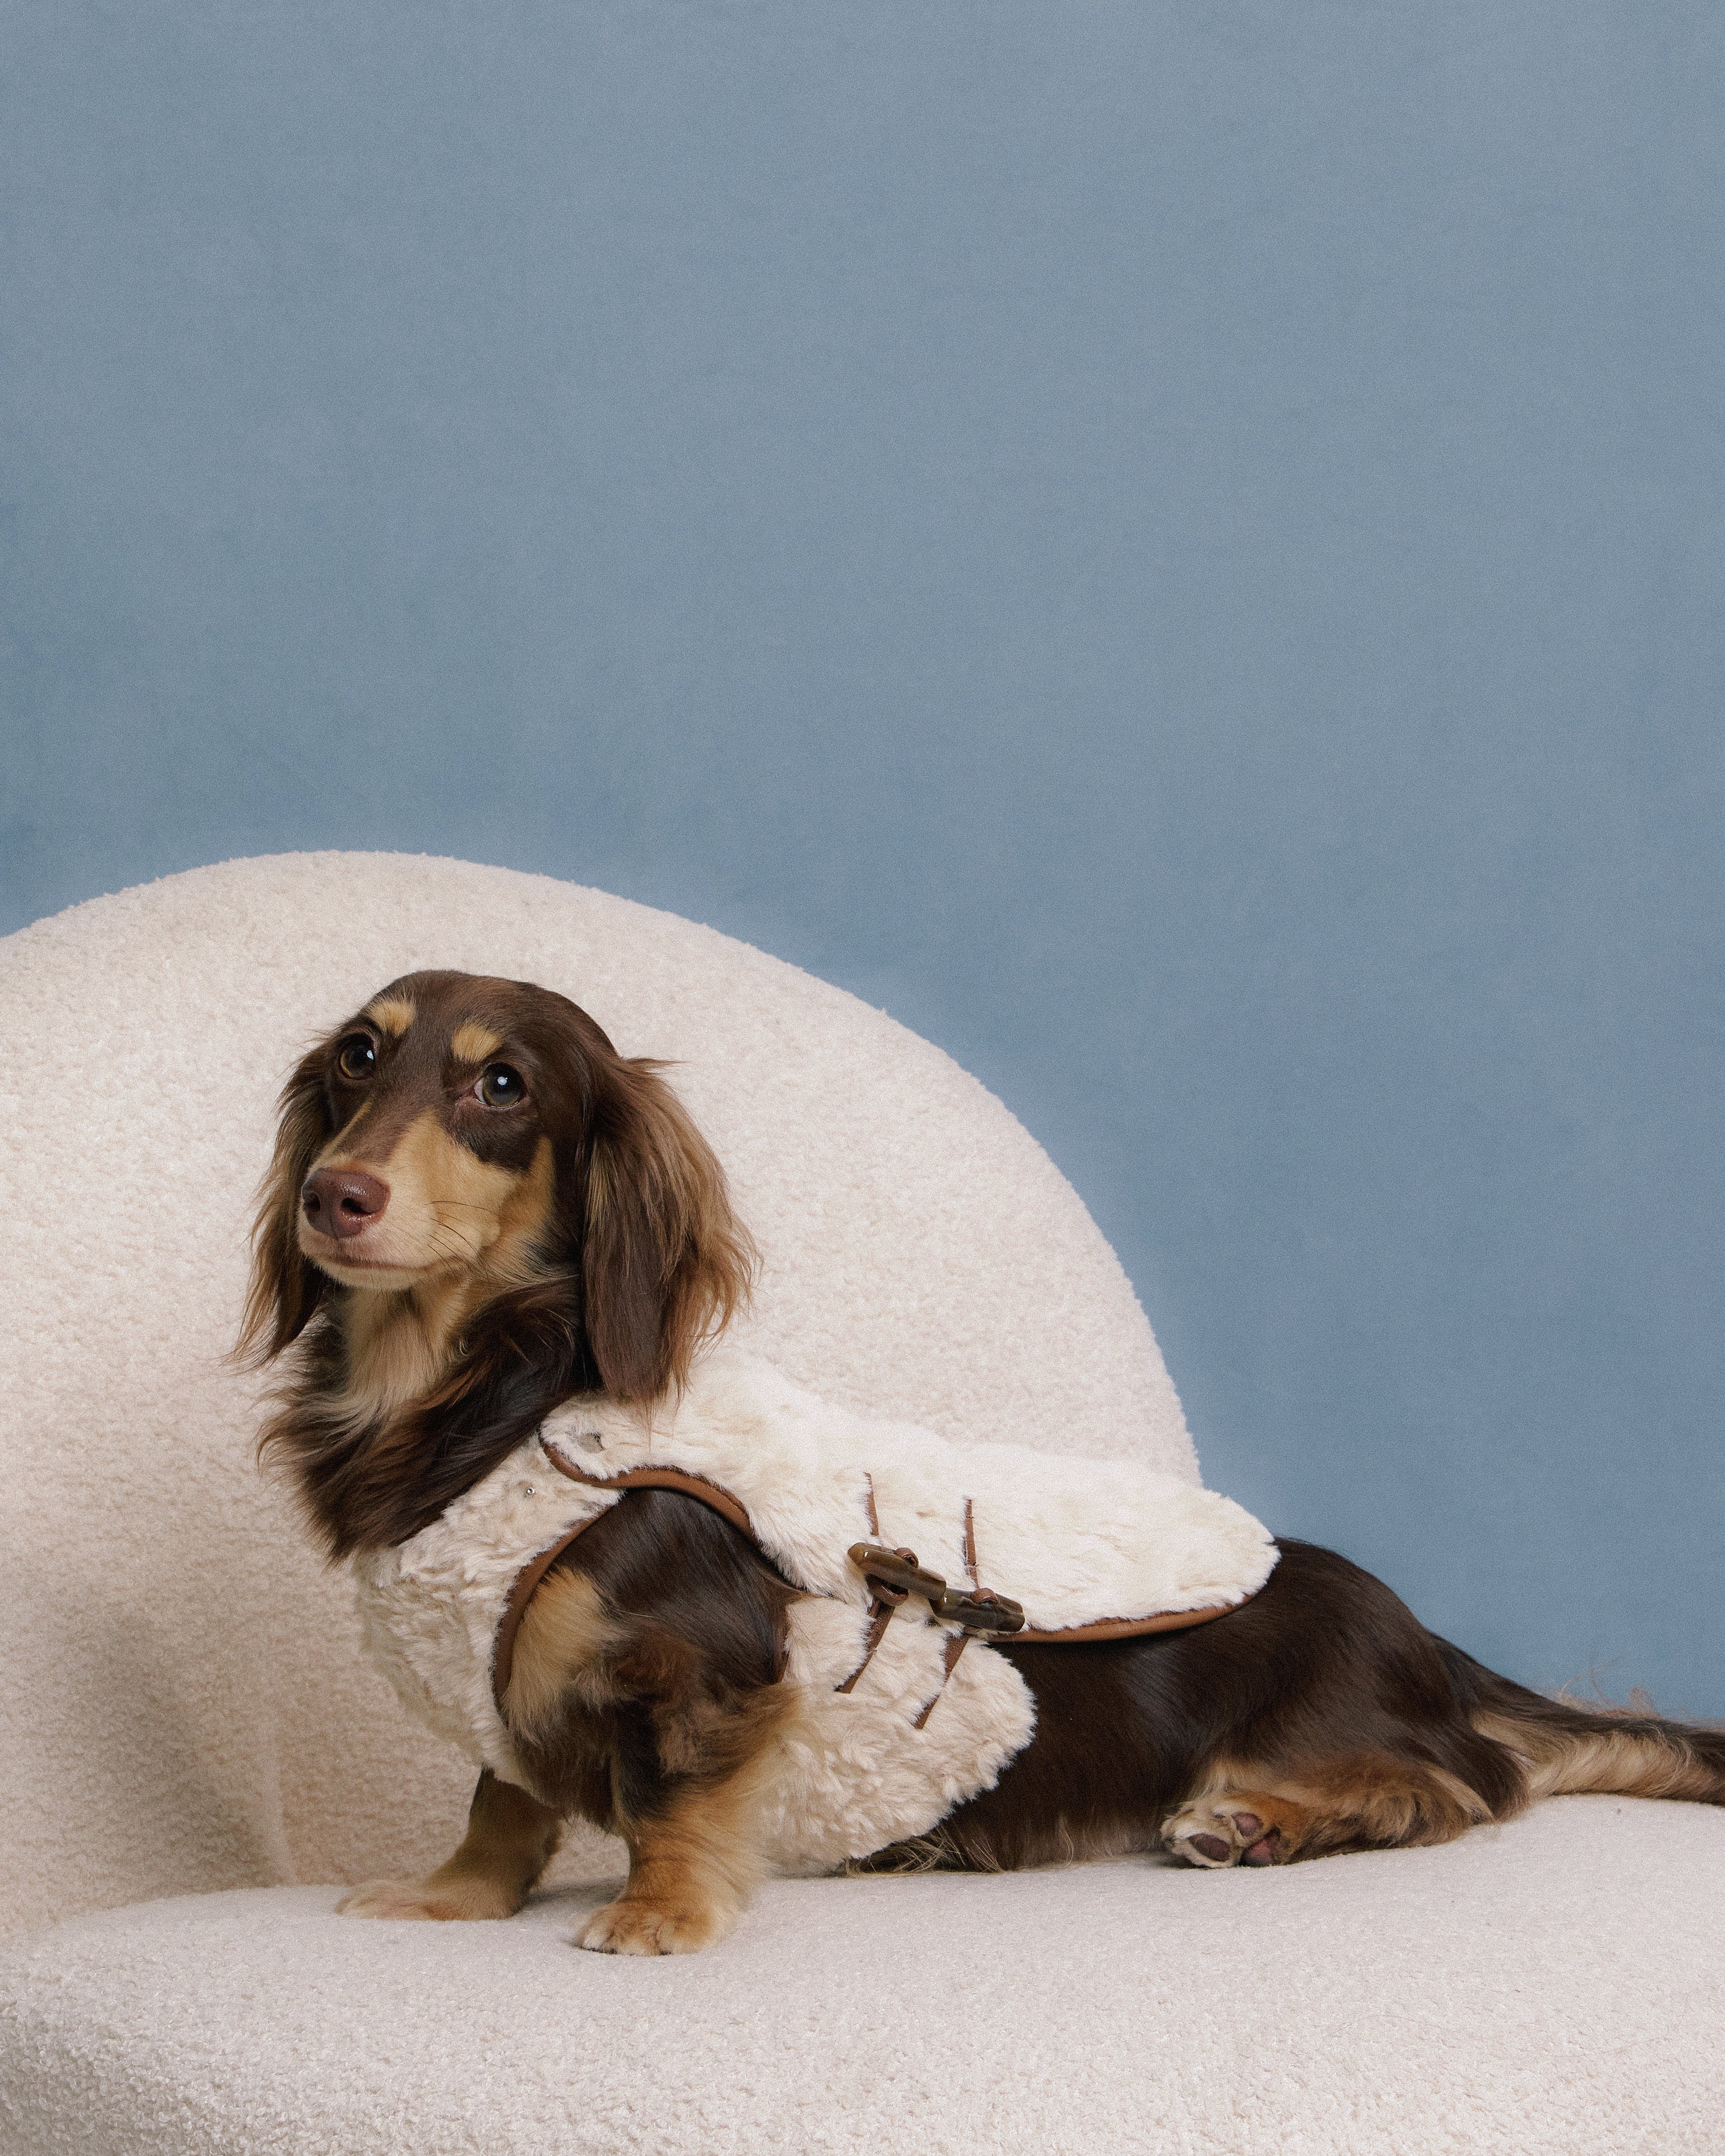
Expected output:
{"points": [[477, 1210]]}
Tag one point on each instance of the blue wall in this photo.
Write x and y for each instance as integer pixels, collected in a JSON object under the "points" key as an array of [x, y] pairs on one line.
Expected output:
{"points": [[1178, 547]]}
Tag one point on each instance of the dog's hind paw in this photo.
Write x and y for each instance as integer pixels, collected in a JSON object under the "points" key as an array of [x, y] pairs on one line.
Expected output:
{"points": [[1216, 1833]]}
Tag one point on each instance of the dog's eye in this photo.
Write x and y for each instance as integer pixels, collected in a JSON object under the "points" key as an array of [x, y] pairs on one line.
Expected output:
{"points": [[501, 1087], [356, 1058]]}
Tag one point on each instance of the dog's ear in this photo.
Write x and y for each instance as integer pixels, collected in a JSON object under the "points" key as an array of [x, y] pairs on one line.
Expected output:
{"points": [[286, 1287], [665, 1263]]}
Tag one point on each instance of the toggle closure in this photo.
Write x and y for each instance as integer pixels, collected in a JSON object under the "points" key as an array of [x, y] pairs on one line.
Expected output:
{"points": [[894, 1574]]}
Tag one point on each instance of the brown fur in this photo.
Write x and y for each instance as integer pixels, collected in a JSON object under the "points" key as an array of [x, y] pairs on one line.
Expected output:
{"points": [[581, 1238]]}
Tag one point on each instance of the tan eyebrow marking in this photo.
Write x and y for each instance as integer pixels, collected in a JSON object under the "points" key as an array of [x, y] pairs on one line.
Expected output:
{"points": [[473, 1042], [395, 1013]]}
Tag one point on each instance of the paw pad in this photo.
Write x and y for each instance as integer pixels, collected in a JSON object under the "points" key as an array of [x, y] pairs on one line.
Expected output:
{"points": [[1215, 1835]]}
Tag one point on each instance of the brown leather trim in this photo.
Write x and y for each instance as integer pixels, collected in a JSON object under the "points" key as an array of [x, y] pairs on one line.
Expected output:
{"points": [[526, 1581], [955, 1648], [1118, 1627], [659, 1478], [877, 1634], [976, 1578], [881, 1608]]}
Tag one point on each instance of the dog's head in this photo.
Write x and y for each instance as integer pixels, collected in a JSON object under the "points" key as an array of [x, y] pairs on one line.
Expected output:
{"points": [[481, 1136]]}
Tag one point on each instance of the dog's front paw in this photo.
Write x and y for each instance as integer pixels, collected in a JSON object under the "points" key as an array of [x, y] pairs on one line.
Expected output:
{"points": [[1218, 1832], [463, 1900], [648, 1927]]}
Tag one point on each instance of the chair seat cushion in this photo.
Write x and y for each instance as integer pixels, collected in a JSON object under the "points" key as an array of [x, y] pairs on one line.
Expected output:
{"points": [[1552, 1985]]}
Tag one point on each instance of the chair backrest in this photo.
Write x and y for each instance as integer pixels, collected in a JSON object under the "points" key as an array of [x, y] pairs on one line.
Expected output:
{"points": [[184, 1703]]}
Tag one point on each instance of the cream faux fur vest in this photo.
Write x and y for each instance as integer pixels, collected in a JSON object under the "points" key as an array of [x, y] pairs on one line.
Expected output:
{"points": [[1081, 1543]]}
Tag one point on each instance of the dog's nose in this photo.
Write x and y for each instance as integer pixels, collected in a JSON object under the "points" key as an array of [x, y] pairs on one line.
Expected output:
{"points": [[343, 1201]]}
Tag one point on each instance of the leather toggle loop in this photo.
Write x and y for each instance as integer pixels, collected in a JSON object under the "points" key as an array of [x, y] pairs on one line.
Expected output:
{"points": [[895, 1574]]}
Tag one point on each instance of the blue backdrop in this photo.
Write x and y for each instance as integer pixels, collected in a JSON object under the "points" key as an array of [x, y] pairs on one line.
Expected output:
{"points": [[1176, 547]]}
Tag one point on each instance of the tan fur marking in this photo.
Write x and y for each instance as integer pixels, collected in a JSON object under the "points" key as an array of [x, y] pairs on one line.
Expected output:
{"points": [[473, 1043], [338, 1153], [510, 1838], [1627, 1763], [452, 1219], [395, 1013], [564, 1635], [522, 1218], [393, 1356], [461, 1231]]}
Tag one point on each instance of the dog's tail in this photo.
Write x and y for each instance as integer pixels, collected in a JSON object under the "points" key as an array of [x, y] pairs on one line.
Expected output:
{"points": [[1563, 1750]]}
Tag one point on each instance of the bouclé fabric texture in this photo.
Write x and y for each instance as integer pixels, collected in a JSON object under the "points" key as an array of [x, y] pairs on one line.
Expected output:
{"points": [[1546, 1989]]}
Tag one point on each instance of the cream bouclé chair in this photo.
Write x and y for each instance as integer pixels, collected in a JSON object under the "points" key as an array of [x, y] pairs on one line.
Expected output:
{"points": [[196, 1755]]}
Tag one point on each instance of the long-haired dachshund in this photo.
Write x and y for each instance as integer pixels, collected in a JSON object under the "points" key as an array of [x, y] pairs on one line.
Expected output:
{"points": [[478, 1210]]}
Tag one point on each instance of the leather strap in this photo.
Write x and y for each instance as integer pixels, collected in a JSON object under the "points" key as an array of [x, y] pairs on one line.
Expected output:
{"points": [[880, 1617], [527, 1583], [956, 1645], [527, 1579], [1123, 1627], [660, 1478], [880, 1608]]}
